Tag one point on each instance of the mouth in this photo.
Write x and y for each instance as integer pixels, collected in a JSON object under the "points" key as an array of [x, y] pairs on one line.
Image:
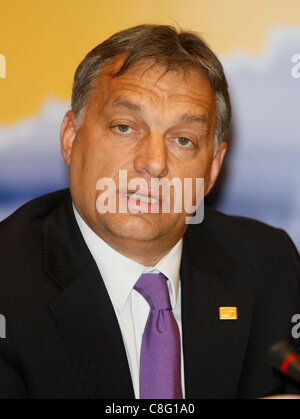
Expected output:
{"points": [[139, 201], [142, 198]]}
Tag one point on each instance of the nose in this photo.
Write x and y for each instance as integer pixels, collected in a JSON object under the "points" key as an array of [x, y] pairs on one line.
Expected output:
{"points": [[152, 157]]}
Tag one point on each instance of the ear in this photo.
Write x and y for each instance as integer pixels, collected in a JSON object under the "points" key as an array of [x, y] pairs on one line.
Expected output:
{"points": [[67, 136], [216, 166]]}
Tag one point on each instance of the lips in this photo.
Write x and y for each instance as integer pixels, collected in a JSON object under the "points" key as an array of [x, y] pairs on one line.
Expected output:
{"points": [[142, 198], [139, 201], [140, 194]]}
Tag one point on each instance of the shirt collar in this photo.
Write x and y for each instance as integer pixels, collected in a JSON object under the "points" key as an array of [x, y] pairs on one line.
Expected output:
{"points": [[120, 273]]}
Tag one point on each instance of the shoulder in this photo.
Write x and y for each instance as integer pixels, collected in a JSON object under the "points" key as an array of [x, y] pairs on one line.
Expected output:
{"points": [[22, 231], [30, 216], [22, 244], [234, 230], [248, 240]]}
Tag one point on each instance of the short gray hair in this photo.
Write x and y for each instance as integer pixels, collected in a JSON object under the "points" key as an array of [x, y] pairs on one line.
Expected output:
{"points": [[165, 45]]}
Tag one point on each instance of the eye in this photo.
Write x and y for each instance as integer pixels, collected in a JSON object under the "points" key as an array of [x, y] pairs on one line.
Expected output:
{"points": [[123, 129], [184, 142]]}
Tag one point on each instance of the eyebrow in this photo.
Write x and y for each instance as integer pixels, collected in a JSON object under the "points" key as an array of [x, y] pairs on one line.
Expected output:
{"points": [[127, 104], [186, 118], [190, 118]]}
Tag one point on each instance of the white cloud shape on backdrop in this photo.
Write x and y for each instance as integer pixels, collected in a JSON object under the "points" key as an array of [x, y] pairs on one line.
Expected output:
{"points": [[30, 149], [264, 172]]}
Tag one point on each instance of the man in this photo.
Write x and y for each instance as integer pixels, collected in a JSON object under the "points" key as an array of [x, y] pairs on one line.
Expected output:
{"points": [[138, 303]]}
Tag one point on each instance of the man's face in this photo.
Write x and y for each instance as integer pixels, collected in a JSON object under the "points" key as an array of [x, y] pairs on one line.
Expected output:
{"points": [[152, 124]]}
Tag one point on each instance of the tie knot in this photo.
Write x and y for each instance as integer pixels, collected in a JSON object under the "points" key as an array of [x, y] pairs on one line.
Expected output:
{"points": [[154, 288]]}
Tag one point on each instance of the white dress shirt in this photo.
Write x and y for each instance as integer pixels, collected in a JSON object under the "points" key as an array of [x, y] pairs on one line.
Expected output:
{"points": [[120, 274]]}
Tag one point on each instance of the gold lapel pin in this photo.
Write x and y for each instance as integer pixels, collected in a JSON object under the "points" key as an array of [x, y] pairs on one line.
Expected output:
{"points": [[228, 313]]}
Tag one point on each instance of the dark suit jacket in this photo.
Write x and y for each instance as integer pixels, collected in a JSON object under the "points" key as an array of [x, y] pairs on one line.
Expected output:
{"points": [[63, 338]]}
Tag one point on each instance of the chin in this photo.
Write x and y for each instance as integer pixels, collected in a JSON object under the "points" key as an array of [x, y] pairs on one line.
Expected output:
{"points": [[133, 227]]}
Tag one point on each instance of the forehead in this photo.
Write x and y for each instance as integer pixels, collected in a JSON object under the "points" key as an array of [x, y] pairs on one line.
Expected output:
{"points": [[147, 81]]}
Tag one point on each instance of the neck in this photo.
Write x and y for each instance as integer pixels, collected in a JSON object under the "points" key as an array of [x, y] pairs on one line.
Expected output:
{"points": [[145, 253]]}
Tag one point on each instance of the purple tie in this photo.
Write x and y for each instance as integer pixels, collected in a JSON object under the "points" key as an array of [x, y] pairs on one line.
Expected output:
{"points": [[160, 370]]}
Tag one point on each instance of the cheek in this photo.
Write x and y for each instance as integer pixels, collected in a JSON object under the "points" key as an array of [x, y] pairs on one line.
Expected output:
{"points": [[88, 153], [199, 168], [94, 159], [83, 169], [98, 147]]}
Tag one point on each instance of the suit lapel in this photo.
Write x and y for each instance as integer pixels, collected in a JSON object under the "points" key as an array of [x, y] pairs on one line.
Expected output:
{"points": [[213, 349], [83, 310]]}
